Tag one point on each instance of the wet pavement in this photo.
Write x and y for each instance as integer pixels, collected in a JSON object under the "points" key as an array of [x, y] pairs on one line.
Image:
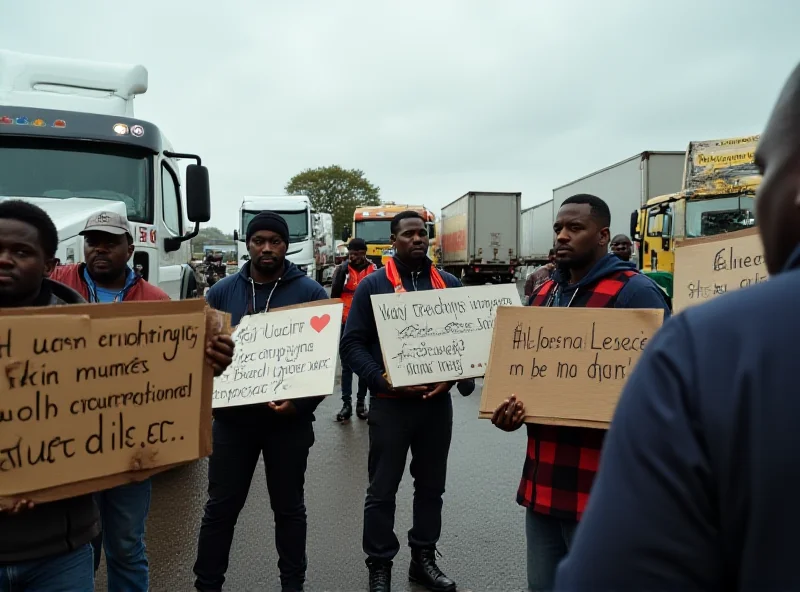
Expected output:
{"points": [[483, 541]]}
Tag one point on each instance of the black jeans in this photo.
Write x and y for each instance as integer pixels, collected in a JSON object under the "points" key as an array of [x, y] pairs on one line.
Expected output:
{"points": [[347, 384], [285, 446], [395, 426]]}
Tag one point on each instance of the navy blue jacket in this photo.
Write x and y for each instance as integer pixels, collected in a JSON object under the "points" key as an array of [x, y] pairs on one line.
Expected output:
{"points": [[700, 473], [238, 295], [639, 292], [360, 348]]}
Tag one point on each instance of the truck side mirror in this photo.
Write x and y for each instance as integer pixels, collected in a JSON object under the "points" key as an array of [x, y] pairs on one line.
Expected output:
{"points": [[235, 235], [198, 194], [634, 223]]}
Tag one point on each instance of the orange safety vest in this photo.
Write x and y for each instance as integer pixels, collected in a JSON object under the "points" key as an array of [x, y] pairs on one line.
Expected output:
{"points": [[352, 278]]}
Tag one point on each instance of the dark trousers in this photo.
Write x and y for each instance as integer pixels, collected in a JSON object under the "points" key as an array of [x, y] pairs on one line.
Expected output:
{"points": [[285, 447], [347, 384], [395, 427]]}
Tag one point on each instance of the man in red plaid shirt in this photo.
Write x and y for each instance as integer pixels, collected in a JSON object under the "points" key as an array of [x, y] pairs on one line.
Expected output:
{"points": [[561, 461]]}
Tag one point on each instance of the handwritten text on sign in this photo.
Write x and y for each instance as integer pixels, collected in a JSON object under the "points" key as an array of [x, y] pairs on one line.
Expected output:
{"points": [[708, 267], [564, 363], [82, 398], [282, 355], [438, 335]]}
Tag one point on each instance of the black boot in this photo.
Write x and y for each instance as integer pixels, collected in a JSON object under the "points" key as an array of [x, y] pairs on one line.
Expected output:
{"points": [[346, 413], [361, 409], [380, 575], [425, 572]]}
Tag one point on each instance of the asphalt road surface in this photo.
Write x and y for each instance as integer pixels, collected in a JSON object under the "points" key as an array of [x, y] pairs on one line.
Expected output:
{"points": [[483, 541]]}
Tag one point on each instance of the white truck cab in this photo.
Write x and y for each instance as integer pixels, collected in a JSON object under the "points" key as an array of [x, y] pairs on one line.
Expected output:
{"points": [[305, 229], [69, 143]]}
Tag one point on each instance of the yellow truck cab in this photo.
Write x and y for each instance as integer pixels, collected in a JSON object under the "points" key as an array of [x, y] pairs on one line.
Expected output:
{"points": [[719, 185], [373, 224]]}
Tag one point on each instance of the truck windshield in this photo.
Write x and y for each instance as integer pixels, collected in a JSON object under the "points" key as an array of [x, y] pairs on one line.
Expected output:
{"points": [[59, 169], [296, 220], [376, 232], [717, 216]]}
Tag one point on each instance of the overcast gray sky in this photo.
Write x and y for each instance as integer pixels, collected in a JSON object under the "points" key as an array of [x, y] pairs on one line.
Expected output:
{"points": [[431, 98]]}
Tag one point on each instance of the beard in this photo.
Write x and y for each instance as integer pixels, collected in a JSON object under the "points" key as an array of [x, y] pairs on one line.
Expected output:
{"points": [[267, 268]]}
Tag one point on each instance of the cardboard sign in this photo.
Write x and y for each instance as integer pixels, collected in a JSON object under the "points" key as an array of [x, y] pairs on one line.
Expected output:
{"points": [[707, 267], [106, 390], [438, 335], [285, 354], [568, 366]]}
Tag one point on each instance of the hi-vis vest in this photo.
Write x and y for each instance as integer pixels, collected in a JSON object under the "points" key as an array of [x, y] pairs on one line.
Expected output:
{"points": [[352, 278]]}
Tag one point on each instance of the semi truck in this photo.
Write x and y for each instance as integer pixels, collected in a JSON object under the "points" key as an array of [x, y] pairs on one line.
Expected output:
{"points": [[719, 184], [373, 224], [481, 236], [627, 185], [537, 235], [307, 231], [69, 143]]}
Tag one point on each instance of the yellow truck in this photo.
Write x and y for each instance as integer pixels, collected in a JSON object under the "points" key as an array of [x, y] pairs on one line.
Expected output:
{"points": [[372, 223], [720, 179]]}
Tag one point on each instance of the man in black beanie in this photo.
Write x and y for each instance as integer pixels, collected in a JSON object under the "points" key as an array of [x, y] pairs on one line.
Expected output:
{"points": [[281, 431], [346, 278]]}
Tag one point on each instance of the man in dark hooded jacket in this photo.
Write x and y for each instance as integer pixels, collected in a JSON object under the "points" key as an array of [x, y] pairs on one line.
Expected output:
{"points": [[561, 461], [47, 546], [698, 485], [281, 431]]}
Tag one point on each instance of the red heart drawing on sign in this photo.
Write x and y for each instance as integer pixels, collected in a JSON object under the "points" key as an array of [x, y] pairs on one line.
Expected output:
{"points": [[319, 323]]}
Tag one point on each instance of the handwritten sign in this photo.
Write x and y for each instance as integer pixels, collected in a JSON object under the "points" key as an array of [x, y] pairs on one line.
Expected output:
{"points": [[99, 392], [708, 267], [568, 366], [285, 354], [438, 335]]}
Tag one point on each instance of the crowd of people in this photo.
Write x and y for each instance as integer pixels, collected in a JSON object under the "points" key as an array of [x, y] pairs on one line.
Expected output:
{"points": [[696, 482]]}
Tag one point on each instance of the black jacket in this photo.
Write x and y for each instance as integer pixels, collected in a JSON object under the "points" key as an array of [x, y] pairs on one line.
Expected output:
{"points": [[56, 527]]}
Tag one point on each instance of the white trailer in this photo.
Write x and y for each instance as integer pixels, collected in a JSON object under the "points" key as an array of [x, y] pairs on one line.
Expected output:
{"points": [[627, 185], [480, 236], [537, 233], [69, 144]]}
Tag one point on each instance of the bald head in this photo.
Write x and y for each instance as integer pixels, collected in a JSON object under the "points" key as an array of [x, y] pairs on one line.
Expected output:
{"points": [[622, 247], [778, 159]]}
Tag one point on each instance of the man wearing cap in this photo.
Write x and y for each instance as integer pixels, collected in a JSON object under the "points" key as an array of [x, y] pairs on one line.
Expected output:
{"points": [[107, 277], [346, 278], [281, 431]]}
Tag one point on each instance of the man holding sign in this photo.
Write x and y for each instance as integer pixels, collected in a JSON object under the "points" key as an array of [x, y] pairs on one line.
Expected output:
{"points": [[419, 418], [698, 486], [562, 461], [280, 431]]}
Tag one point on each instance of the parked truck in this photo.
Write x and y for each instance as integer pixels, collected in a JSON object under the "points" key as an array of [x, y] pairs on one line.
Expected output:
{"points": [[373, 224], [481, 237], [718, 191], [308, 230], [70, 144], [627, 185], [537, 233]]}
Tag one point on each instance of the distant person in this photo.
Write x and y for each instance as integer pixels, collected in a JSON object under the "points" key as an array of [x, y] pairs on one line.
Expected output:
{"points": [[346, 278], [106, 276], [415, 418], [622, 247], [698, 485], [541, 275], [282, 432], [561, 461]]}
